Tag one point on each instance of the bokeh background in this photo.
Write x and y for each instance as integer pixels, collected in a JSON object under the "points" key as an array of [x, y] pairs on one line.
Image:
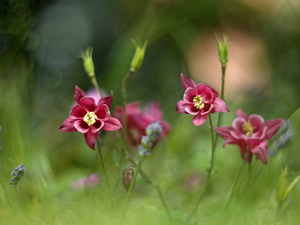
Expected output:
{"points": [[39, 67]]}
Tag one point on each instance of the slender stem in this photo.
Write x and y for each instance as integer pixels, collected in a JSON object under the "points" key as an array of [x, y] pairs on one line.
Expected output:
{"points": [[129, 74], [131, 188], [146, 178], [94, 81], [233, 186], [103, 166], [209, 170], [222, 97]]}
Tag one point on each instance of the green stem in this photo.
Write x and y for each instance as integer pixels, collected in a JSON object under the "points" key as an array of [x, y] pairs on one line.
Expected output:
{"points": [[103, 166], [129, 74], [94, 81], [233, 186], [145, 177], [209, 170], [131, 188]]}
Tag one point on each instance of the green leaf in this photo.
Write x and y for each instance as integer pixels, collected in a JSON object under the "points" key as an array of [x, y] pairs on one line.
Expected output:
{"points": [[290, 188]]}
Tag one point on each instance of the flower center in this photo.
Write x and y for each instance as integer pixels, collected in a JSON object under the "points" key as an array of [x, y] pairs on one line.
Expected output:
{"points": [[90, 118], [248, 129], [198, 102]]}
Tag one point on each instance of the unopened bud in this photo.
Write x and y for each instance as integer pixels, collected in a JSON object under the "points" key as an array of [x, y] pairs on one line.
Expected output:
{"points": [[138, 56], [223, 51], [128, 175], [17, 174], [88, 63]]}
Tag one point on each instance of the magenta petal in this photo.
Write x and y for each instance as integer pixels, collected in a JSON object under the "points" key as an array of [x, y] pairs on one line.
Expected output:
{"points": [[102, 112], [256, 121], [261, 152], [220, 106], [68, 125], [78, 94], [238, 125], [106, 100], [191, 109], [91, 139], [187, 82], [112, 124], [81, 126], [88, 103], [189, 95], [199, 119], [180, 106], [240, 114], [225, 132], [154, 110], [78, 111], [96, 126], [272, 127]]}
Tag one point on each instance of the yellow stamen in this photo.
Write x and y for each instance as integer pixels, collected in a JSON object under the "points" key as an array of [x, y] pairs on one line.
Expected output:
{"points": [[90, 118], [248, 128], [198, 102]]}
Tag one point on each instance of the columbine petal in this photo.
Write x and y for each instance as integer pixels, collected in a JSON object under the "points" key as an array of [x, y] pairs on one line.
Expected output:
{"points": [[199, 119], [187, 82], [256, 121], [220, 106], [225, 132], [96, 126], [238, 125], [261, 152], [68, 125], [240, 114], [78, 94], [272, 127], [78, 111], [81, 126], [102, 112], [180, 106], [112, 124], [154, 110], [88, 103], [191, 109], [91, 139], [106, 100], [189, 95]]}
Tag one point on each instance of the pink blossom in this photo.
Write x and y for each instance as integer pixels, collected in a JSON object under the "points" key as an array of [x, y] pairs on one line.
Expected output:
{"points": [[250, 134], [92, 181], [88, 117], [199, 100], [138, 120]]}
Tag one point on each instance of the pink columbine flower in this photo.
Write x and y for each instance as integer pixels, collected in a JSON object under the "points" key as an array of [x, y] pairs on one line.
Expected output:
{"points": [[92, 181], [250, 134], [138, 120], [199, 100], [88, 117]]}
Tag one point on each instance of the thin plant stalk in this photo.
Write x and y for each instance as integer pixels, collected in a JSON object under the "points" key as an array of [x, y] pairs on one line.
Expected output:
{"points": [[94, 82], [129, 74], [103, 165], [131, 188], [209, 170], [145, 177], [233, 185]]}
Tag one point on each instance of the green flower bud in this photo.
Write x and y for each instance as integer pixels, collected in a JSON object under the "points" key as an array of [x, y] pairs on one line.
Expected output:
{"points": [[223, 51], [88, 63], [138, 56]]}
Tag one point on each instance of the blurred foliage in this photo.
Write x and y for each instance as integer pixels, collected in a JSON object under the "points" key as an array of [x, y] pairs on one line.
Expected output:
{"points": [[39, 67]]}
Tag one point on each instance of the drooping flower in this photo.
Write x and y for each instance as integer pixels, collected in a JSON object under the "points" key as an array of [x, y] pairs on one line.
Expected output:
{"points": [[92, 181], [250, 134], [88, 117], [199, 100], [138, 120]]}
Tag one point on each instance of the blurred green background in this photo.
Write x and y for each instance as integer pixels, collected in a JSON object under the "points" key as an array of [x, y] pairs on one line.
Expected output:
{"points": [[39, 67]]}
